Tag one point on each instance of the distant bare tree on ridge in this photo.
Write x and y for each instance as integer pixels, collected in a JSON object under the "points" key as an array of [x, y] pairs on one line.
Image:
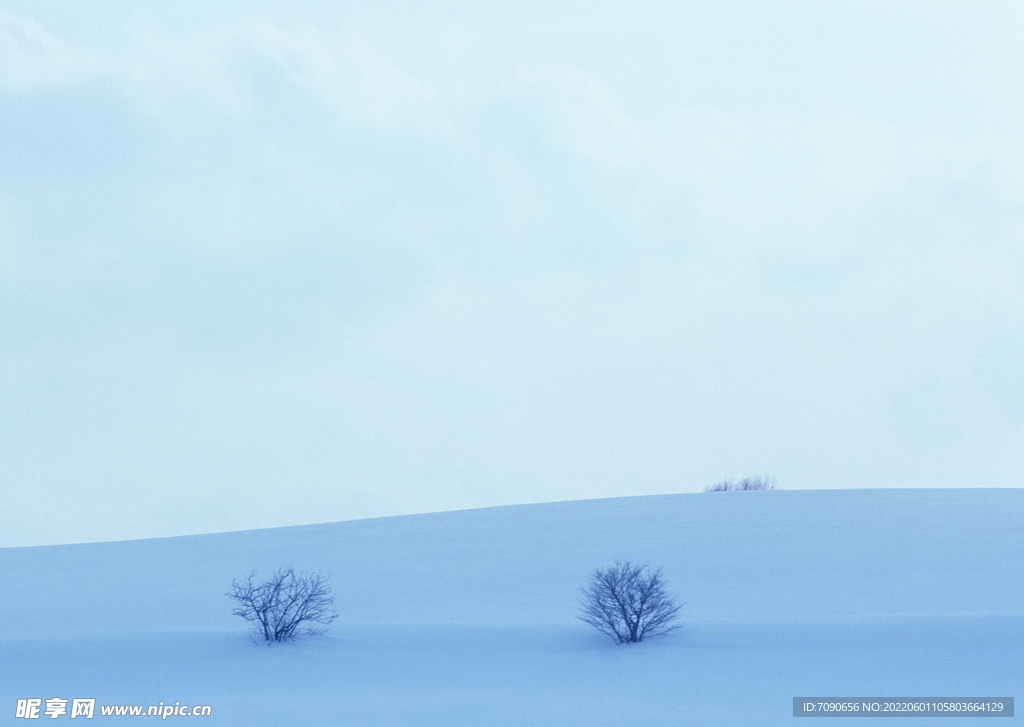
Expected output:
{"points": [[757, 482]]}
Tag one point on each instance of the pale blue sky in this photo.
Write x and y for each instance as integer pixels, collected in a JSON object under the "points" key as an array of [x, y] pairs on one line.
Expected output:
{"points": [[276, 263]]}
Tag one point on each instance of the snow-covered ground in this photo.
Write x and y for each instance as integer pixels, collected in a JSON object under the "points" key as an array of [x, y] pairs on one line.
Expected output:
{"points": [[468, 617]]}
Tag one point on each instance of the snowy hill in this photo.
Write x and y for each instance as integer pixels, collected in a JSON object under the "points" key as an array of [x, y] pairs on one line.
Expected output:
{"points": [[468, 617]]}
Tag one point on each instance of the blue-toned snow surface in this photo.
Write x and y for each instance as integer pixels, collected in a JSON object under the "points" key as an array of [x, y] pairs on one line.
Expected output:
{"points": [[468, 617]]}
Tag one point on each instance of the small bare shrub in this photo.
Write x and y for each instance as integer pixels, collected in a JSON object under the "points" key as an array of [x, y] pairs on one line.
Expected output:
{"points": [[628, 602], [287, 605], [758, 482]]}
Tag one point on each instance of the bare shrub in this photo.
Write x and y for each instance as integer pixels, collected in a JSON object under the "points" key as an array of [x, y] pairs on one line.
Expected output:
{"points": [[723, 486], [628, 602], [757, 482], [287, 605]]}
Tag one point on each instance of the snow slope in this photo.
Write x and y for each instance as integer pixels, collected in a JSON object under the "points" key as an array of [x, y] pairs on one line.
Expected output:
{"points": [[467, 617]]}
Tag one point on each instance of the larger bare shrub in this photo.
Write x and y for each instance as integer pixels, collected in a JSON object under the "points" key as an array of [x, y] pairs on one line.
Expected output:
{"points": [[287, 605], [628, 602]]}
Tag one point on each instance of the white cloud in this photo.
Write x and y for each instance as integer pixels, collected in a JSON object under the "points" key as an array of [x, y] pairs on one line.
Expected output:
{"points": [[350, 75], [31, 57], [577, 112]]}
